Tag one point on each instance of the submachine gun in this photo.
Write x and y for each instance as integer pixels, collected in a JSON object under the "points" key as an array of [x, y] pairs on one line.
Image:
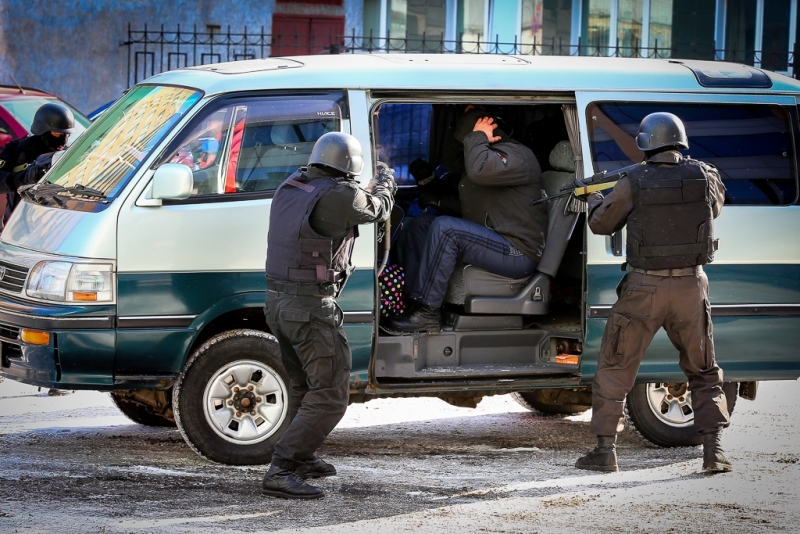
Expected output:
{"points": [[597, 182]]}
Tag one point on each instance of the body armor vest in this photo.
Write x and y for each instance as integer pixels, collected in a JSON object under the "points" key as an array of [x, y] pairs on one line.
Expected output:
{"points": [[672, 224], [296, 253]]}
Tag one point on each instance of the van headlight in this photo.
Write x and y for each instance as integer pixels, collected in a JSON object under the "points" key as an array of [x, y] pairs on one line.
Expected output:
{"points": [[63, 281]]}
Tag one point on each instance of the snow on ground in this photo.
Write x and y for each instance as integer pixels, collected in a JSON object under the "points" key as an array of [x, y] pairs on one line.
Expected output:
{"points": [[75, 463]]}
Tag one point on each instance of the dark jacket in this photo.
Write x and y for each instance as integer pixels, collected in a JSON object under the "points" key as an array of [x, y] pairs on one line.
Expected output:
{"points": [[312, 225], [500, 181], [348, 205], [15, 154]]}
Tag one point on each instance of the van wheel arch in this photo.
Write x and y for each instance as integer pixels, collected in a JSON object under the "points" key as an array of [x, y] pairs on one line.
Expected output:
{"points": [[251, 318]]}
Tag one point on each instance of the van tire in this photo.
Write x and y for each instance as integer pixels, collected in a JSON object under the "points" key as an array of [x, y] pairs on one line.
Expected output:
{"points": [[225, 372], [666, 430], [145, 413], [545, 402]]}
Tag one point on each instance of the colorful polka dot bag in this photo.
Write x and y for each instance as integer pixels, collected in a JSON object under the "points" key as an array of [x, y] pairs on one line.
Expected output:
{"points": [[392, 299]]}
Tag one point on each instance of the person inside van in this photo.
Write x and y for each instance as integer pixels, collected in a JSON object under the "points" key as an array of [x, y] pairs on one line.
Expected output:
{"points": [[500, 231], [438, 195]]}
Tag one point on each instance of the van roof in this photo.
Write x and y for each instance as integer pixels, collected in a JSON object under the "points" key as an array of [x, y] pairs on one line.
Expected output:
{"points": [[468, 72]]}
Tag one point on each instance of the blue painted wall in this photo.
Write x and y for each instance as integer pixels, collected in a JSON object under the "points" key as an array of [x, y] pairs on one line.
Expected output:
{"points": [[72, 47]]}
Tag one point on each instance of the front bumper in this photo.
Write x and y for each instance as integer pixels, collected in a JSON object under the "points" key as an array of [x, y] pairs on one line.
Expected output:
{"points": [[80, 354]]}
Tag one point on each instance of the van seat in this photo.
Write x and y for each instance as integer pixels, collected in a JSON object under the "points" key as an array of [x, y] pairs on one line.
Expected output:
{"points": [[482, 292], [267, 166]]}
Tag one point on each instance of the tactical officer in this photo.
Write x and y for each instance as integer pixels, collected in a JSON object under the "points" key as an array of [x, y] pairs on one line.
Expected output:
{"points": [[25, 160], [313, 226], [668, 204]]}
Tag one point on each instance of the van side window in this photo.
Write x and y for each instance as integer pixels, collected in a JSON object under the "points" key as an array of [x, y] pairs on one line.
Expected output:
{"points": [[403, 132], [250, 145], [750, 144]]}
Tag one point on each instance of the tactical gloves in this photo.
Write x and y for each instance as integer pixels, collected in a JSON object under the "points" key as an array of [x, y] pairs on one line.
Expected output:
{"points": [[385, 178], [35, 171]]}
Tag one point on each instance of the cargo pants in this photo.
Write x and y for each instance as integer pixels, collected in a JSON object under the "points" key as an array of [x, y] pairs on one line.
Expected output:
{"points": [[647, 303], [317, 359]]}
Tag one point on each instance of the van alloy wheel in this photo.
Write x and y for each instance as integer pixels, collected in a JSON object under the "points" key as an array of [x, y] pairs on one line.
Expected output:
{"points": [[671, 402], [245, 402], [662, 413], [231, 401]]}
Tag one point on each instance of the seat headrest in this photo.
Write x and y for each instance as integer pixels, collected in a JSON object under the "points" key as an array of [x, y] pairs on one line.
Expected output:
{"points": [[562, 158], [284, 134]]}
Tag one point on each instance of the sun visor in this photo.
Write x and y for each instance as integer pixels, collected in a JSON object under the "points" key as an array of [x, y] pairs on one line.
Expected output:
{"points": [[293, 110]]}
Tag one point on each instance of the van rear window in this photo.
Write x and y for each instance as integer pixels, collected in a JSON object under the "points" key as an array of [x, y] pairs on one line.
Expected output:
{"points": [[750, 144]]}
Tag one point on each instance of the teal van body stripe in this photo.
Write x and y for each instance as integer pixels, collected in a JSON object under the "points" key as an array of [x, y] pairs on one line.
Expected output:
{"points": [[208, 296], [745, 345], [169, 348], [745, 349], [149, 294], [728, 284]]}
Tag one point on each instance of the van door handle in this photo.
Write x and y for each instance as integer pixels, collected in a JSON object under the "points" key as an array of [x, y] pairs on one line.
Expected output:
{"points": [[616, 243]]}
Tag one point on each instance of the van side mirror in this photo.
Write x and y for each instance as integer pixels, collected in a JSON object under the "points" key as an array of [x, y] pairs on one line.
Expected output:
{"points": [[172, 181]]}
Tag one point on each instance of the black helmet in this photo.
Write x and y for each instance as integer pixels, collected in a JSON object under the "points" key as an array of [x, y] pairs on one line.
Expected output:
{"points": [[53, 117], [338, 151], [661, 129]]}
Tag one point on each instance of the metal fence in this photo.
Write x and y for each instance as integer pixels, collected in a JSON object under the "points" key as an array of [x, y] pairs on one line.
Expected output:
{"points": [[151, 51]]}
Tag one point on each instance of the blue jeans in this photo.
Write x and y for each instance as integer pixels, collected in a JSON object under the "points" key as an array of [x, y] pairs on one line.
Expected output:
{"points": [[416, 239], [451, 240]]}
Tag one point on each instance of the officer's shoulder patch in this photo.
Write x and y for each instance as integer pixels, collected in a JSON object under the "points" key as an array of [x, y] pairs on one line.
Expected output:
{"points": [[2, 163]]}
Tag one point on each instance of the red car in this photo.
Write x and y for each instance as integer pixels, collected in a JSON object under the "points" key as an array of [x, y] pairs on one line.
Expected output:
{"points": [[18, 106]]}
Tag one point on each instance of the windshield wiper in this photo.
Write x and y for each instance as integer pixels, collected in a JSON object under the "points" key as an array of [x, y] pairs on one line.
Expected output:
{"points": [[44, 190], [40, 193], [78, 190]]}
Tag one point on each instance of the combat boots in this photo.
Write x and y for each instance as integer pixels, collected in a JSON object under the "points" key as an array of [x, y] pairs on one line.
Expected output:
{"points": [[714, 460], [283, 483], [601, 458], [418, 318], [315, 468]]}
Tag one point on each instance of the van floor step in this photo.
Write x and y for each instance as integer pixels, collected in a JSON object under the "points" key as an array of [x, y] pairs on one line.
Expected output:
{"points": [[495, 370]]}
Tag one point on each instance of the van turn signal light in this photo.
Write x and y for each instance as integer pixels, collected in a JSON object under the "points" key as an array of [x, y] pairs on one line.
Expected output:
{"points": [[34, 337], [568, 359]]}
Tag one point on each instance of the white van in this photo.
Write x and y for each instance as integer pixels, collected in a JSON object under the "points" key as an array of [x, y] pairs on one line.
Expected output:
{"points": [[137, 265]]}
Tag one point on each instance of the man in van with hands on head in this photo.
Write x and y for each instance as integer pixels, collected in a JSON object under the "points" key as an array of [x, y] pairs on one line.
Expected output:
{"points": [[500, 231], [313, 224], [668, 205]]}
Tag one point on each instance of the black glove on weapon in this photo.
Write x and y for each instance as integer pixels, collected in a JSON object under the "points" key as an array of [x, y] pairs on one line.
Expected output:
{"points": [[36, 170], [386, 178]]}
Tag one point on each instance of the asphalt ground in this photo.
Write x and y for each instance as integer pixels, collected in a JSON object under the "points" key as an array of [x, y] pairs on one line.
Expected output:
{"points": [[75, 463]]}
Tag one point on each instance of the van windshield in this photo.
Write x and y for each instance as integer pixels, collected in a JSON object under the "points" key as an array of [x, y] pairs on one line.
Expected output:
{"points": [[109, 153]]}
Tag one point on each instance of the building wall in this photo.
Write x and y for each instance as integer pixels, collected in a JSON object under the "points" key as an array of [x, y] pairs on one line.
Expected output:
{"points": [[72, 47]]}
